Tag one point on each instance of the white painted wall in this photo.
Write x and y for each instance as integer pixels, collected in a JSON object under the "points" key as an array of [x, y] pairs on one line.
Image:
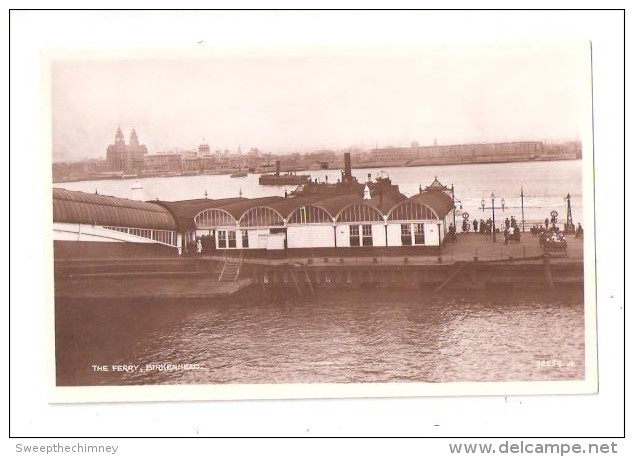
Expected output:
{"points": [[310, 236], [275, 241], [343, 236], [258, 238], [378, 234], [394, 235], [431, 234]]}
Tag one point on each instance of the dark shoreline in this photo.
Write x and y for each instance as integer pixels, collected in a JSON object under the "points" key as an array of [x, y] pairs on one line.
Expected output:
{"points": [[371, 165]]}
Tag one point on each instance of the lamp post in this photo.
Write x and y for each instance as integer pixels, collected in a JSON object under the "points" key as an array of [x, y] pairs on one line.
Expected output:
{"points": [[570, 226], [454, 200], [522, 197], [493, 208]]}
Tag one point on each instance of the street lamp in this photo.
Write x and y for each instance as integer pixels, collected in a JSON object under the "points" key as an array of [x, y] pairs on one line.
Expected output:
{"points": [[454, 200], [522, 200], [570, 226], [493, 208]]}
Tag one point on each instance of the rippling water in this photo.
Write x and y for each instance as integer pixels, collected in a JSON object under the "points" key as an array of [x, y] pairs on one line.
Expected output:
{"points": [[343, 336]]}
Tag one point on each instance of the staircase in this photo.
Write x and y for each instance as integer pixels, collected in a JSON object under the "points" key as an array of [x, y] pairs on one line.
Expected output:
{"points": [[231, 268]]}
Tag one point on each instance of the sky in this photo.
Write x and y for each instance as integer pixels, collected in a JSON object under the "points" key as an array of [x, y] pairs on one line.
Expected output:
{"points": [[283, 104]]}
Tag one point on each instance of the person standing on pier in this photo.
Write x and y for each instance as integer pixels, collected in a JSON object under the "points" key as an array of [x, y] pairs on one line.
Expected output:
{"points": [[579, 231], [452, 233], [507, 223], [475, 225]]}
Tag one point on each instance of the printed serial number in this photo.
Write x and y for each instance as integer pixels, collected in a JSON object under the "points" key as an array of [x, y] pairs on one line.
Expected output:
{"points": [[555, 363]]}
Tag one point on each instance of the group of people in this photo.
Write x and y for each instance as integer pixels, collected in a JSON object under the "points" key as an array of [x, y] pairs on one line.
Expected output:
{"points": [[568, 228], [511, 230], [483, 227], [204, 244]]}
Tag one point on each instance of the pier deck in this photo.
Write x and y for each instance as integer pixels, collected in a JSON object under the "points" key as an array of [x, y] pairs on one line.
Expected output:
{"points": [[197, 277], [467, 247]]}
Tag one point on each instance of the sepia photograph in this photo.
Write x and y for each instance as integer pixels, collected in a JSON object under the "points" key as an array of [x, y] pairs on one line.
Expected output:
{"points": [[332, 222]]}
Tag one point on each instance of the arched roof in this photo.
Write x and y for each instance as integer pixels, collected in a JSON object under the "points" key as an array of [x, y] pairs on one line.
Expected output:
{"points": [[286, 206], [213, 217], [362, 211], [380, 202], [186, 211], [261, 216], [334, 205], [83, 208], [439, 203], [309, 214], [239, 208]]}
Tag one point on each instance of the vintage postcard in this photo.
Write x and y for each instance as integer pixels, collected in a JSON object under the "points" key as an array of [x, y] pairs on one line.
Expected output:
{"points": [[326, 222]]}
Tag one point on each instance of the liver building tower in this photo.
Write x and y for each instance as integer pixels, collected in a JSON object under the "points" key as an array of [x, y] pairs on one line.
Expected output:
{"points": [[125, 158]]}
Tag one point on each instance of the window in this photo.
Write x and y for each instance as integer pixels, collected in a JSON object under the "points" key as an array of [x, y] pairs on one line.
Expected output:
{"points": [[360, 213], [232, 238], [419, 234], [162, 236], [367, 234], [222, 239], [245, 239], [261, 217], [309, 214], [354, 235], [406, 235], [212, 218]]}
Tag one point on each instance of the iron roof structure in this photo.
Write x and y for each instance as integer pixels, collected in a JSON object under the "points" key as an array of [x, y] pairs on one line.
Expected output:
{"points": [[84, 208]]}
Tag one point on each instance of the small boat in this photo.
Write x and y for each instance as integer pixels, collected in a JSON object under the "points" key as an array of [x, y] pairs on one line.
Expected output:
{"points": [[238, 175], [137, 185]]}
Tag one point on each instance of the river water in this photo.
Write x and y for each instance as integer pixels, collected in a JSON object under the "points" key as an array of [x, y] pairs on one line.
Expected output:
{"points": [[545, 185], [344, 336]]}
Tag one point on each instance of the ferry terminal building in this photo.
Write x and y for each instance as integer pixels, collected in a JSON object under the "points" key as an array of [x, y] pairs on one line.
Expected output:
{"points": [[349, 223]]}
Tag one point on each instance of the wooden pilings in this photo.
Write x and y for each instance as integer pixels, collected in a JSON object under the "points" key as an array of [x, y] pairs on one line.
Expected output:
{"points": [[307, 279]]}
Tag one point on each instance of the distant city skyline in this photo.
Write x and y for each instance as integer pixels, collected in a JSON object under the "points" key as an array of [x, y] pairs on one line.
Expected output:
{"points": [[451, 95]]}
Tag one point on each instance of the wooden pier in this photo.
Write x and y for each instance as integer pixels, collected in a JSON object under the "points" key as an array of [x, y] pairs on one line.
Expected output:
{"points": [[473, 263]]}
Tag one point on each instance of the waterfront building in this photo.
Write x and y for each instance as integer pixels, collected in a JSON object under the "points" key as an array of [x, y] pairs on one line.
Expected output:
{"points": [[208, 163], [122, 157], [420, 220], [86, 168], [99, 226], [192, 165], [347, 222], [163, 163], [203, 150], [461, 153]]}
